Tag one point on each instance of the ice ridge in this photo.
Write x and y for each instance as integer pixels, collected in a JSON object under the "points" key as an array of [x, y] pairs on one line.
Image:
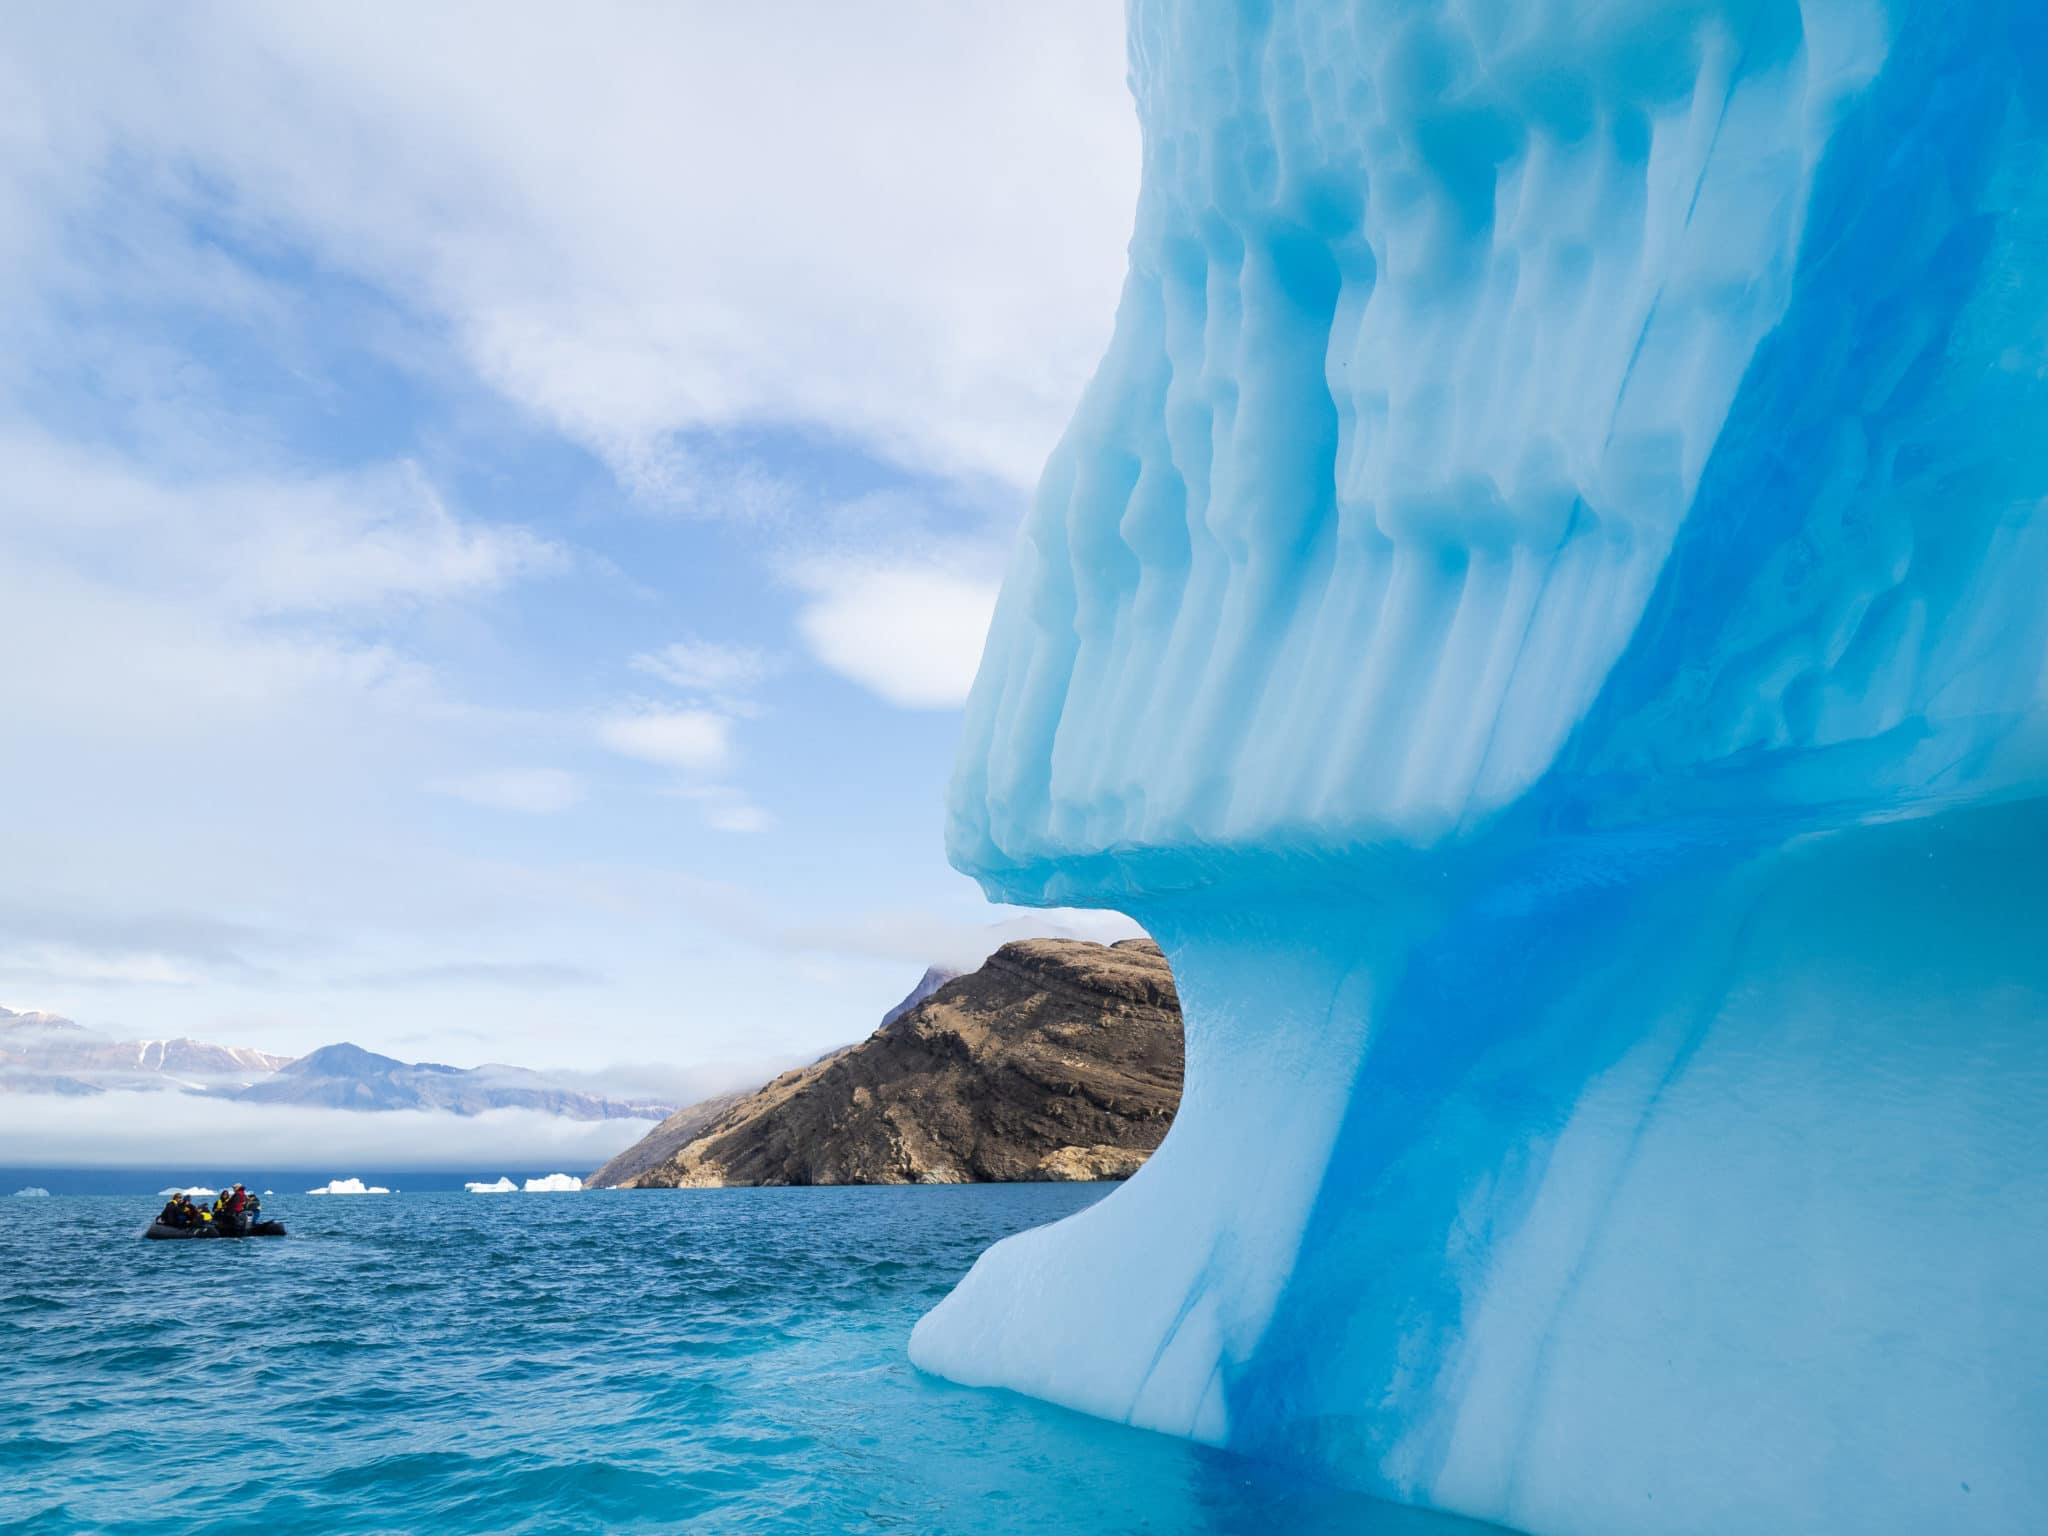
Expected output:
{"points": [[1539, 612]]}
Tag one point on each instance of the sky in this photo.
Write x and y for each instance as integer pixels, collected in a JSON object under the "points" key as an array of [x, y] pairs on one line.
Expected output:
{"points": [[499, 505]]}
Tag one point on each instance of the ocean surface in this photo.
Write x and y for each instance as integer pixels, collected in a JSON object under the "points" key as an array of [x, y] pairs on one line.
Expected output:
{"points": [[719, 1360]]}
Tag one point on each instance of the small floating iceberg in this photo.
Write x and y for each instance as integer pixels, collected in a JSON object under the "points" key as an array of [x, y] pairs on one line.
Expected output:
{"points": [[502, 1187], [554, 1183], [33, 1192], [349, 1187], [195, 1190]]}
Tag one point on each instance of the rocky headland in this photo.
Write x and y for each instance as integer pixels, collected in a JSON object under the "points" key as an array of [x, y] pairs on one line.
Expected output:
{"points": [[1058, 1059]]}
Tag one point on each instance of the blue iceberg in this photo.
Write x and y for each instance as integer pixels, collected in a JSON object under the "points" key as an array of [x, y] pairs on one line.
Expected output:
{"points": [[1543, 612]]}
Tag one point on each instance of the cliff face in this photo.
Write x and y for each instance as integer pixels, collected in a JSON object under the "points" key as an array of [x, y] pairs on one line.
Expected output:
{"points": [[1058, 1059], [663, 1142]]}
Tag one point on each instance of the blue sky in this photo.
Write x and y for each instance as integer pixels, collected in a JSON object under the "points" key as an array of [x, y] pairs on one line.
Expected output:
{"points": [[498, 507]]}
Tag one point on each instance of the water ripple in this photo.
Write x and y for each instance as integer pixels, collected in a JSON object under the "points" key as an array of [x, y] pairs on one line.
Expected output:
{"points": [[697, 1361]]}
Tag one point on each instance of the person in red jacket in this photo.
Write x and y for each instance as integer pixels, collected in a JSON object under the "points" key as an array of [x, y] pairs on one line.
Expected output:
{"points": [[238, 1201]]}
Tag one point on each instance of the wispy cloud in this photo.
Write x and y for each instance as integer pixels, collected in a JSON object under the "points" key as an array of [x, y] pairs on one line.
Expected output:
{"points": [[910, 632], [726, 809], [719, 680], [531, 791], [156, 1130], [925, 938], [291, 303], [694, 740], [165, 604], [519, 975], [46, 943], [492, 166], [707, 667], [254, 545]]}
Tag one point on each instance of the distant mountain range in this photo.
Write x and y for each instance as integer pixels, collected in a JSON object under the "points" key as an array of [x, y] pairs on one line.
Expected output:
{"points": [[42, 1053], [349, 1077]]}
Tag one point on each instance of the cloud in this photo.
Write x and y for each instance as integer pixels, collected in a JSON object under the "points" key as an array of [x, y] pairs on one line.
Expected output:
{"points": [[533, 791], [705, 666], [737, 815], [581, 210], [726, 809], [639, 1081], [232, 613], [909, 633], [46, 943], [720, 679], [925, 938], [254, 545], [520, 975], [198, 1134], [697, 740], [291, 293], [73, 964]]}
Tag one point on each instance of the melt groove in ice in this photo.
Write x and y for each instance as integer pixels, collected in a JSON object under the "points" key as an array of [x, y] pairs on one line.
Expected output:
{"points": [[1541, 612]]}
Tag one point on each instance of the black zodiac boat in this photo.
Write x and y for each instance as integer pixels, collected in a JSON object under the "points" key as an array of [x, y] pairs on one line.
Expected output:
{"points": [[217, 1229]]}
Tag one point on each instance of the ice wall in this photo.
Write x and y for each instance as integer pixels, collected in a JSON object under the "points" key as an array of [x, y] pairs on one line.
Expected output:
{"points": [[1543, 612]]}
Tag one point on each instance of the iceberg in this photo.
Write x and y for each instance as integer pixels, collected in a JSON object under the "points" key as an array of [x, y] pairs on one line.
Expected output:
{"points": [[348, 1187], [554, 1184], [196, 1190], [32, 1192], [1540, 613]]}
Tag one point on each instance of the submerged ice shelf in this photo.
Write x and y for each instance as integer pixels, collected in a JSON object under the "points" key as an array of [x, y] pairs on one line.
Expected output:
{"points": [[1541, 613]]}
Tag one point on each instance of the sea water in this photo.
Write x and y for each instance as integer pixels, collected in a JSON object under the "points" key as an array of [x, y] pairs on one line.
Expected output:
{"points": [[715, 1360]]}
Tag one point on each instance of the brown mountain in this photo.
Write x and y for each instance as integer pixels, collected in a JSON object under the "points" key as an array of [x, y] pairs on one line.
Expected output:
{"points": [[1058, 1059]]}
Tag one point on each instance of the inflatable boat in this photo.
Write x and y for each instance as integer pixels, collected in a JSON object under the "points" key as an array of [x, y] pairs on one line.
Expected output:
{"points": [[214, 1229]]}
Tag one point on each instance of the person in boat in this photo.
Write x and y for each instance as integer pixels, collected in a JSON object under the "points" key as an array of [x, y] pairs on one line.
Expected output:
{"points": [[172, 1215], [227, 1212]]}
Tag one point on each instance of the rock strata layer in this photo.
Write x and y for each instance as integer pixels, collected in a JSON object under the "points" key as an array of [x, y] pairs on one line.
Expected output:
{"points": [[1057, 1060]]}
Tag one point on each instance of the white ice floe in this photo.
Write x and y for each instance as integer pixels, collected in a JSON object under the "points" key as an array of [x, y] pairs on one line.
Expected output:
{"points": [[209, 1190], [501, 1187], [33, 1192], [554, 1183], [349, 1187]]}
